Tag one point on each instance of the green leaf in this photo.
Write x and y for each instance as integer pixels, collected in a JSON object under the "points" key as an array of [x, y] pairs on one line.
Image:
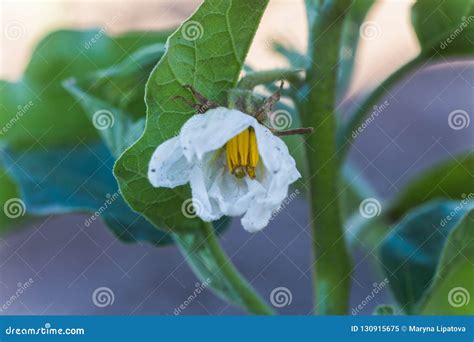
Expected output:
{"points": [[113, 98], [453, 283], [36, 109], [211, 61], [439, 23], [412, 252], [451, 179], [60, 181]]}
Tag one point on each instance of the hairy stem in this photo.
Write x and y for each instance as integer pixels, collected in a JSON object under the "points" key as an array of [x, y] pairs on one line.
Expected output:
{"points": [[332, 265]]}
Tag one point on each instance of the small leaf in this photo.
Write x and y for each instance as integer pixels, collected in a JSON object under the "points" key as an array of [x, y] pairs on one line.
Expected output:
{"points": [[412, 252]]}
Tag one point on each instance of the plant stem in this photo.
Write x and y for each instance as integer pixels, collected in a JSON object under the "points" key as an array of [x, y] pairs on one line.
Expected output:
{"points": [[251, 299], [332, 266]]}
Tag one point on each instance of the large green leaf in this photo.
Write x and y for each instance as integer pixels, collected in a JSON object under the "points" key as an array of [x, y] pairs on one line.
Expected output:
{"points": [[424, 247], [36, 109], [211, 62], [451, 179]]}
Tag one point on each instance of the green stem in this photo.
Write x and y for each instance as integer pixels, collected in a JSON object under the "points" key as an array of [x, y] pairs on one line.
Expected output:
{"points": [[251, 299], [332, 266], [209, 261]]}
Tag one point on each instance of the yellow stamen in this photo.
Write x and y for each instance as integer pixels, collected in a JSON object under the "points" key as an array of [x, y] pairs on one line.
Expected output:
{"points": [[232, 154], [243, 142], [242, 154], [253, 154]]}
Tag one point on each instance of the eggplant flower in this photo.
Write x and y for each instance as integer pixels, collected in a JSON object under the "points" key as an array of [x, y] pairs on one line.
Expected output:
{"points": [[234, 164]]}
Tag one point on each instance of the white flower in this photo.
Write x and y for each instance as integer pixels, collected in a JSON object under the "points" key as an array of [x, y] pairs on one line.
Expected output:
{"points": [[235, 166]]}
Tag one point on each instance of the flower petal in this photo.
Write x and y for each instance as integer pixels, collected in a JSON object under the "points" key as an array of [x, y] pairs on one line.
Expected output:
{"points": [[210, 131], [256, 218], [168, 167], [206, 208], [279, 173], [234, 195]]}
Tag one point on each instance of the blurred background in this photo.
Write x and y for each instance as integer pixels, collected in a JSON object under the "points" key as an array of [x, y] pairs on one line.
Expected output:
{"points": [[68, 261]]}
